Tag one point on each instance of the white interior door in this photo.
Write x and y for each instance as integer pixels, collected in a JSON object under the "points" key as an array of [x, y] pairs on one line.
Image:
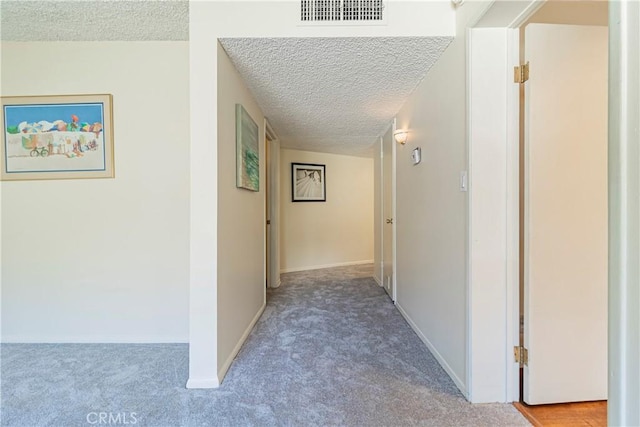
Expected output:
{"points": [[566, 214], [272, 207], [388, 214]]}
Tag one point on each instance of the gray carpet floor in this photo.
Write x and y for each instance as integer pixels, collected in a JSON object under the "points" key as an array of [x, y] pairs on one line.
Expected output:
{"points": [[330, 350]]}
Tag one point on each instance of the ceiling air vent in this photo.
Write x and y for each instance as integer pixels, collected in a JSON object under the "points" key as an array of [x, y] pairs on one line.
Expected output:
{"points": [[342, 11]]}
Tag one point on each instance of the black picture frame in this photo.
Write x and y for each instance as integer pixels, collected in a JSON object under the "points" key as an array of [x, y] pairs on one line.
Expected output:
{"points": [[308, 182]]}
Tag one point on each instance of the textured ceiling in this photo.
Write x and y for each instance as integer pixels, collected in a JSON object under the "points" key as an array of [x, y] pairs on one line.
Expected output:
{"points": [[320, 94], [333, 95], [88, 20]]}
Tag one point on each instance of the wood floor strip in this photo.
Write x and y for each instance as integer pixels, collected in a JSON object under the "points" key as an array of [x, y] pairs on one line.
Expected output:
{"points": [[592, 414]]}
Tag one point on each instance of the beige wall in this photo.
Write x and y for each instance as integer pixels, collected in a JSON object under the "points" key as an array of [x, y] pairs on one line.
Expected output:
{"points": [[336, 232], [576, 12], [209, 21], [241, 222], [103, 260], [432, 212]]}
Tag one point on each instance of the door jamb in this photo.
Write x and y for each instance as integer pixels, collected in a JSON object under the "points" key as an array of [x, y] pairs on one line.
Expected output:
{"points": [[392, 128], [509, 390], [394, 214], [273, 171]]}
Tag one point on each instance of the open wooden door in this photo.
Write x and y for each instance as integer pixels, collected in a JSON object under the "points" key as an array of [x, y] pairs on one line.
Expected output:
{"points": [[565, 254]]}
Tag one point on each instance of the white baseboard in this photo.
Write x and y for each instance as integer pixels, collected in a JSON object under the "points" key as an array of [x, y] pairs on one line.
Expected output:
{"points": [[277, 283], [318, 267], [378, 280], [435, 352], [227, 364], [203, 383]]}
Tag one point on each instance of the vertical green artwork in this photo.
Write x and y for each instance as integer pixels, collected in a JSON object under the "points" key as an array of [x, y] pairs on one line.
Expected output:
{"points": [[247, 151]]}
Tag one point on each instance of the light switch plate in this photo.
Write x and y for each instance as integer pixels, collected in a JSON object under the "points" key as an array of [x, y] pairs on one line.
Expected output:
{"points": [[416, 155], [464, 182]]}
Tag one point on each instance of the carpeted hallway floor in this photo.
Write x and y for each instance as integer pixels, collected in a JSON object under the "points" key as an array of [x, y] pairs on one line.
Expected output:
{"points": [[330, 350]]}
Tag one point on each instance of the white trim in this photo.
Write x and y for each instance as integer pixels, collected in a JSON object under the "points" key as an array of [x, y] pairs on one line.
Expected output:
{"points": [[527, 13], [624, 218], [505, 301], [318, 267], [203, 203], [378, 280], [487, 267], [434, 352], [203, 383], [227, 364], [271, 134], [469, 166], [513, 222], [394, 215], [381, 208], [480, 15], [273, 192]]}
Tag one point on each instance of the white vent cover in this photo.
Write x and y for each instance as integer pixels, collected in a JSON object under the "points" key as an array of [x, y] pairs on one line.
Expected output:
{"points": [[342, 11]]}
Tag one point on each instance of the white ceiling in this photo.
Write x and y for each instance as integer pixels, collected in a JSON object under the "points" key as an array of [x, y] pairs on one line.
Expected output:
{"points": [[94, 20], [333, 95]]}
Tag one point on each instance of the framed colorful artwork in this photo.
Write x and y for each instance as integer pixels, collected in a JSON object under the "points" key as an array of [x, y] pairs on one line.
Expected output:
{"points": [[247, 151], [56, 137]]}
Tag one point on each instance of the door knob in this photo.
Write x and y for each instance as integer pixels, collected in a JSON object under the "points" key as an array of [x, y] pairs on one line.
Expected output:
{"points": [[389, 220]]}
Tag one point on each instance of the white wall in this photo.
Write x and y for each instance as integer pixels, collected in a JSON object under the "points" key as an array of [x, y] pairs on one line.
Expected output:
{"points": [[489, 142], [103, 260], [280, 18], [241, 222], [332, 233], [431, 211]]}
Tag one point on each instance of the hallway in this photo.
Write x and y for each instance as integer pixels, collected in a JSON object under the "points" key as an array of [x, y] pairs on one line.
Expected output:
{"points": [[330, 349]]}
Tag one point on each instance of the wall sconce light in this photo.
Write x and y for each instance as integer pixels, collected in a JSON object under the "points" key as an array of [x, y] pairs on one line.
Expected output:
{"points": [[401, 136]]}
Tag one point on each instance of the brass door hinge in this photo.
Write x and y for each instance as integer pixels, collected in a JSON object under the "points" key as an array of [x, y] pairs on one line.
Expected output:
{"points": [[521, 355], [521, 73]]}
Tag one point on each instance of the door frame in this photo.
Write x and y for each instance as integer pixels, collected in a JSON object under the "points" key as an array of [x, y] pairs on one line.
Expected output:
{"points": [[624, 213], [624, 163], [493, 222], [390, 131], [272, 244]]}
